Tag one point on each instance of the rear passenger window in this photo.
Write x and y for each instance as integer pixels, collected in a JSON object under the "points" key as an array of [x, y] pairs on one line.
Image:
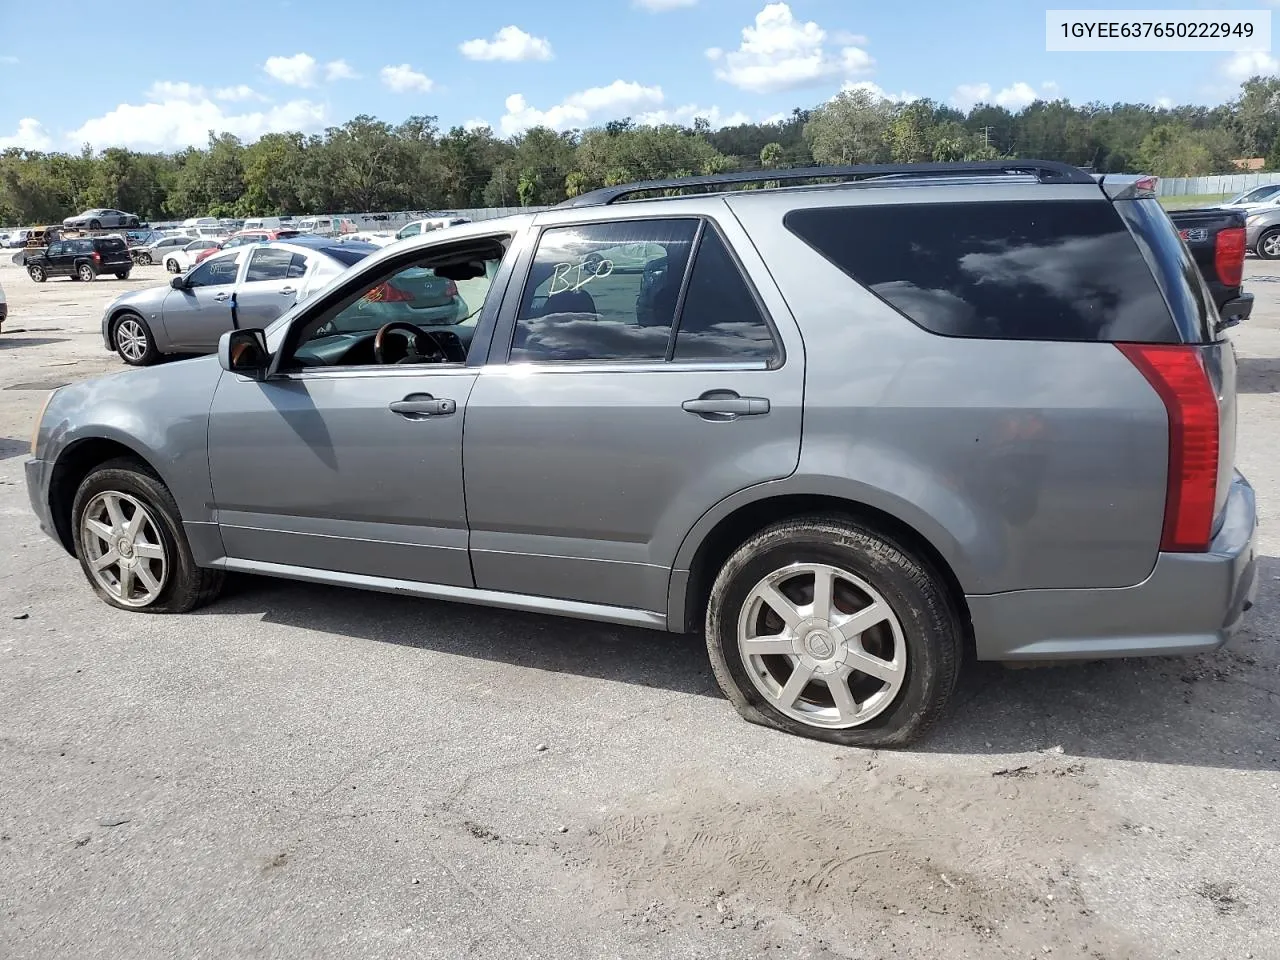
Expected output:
{"points": [[1039, 270], [720, 319], [603, 291], [268, 264]]}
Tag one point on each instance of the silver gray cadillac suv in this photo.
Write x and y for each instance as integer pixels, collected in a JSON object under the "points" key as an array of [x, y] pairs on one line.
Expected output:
{"points": [[851, 424]]}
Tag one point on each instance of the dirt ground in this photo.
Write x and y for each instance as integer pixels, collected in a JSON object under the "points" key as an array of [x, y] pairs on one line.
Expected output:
{"points": [[301, 771]]}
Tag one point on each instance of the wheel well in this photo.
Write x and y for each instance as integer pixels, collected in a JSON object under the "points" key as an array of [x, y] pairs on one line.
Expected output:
{"points": [[69, 471], [733, 531]]}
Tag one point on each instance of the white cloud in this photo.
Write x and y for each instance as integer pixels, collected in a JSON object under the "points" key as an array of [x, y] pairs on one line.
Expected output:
{"points": [[661, 6], [404, 79], [1013, 97], [685, 115], [240, 91], [297, 71], [475, 124], [773, 118], [168, 90], [577, 109], [510, 43], [780, 53], [1239, 67], [340, 70], [176, 122], [1017, 96], [30, 136], [878, 91]]}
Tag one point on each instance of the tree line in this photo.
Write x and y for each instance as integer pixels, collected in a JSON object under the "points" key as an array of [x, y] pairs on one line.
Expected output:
{"points": [[369, 165]]}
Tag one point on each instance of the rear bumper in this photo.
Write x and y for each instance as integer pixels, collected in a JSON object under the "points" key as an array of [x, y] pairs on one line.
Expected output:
{"points": [[1237, 309], [1191, 603]]}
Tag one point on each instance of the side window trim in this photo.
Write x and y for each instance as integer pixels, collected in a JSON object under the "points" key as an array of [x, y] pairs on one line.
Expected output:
{"points": [[684, 289]]}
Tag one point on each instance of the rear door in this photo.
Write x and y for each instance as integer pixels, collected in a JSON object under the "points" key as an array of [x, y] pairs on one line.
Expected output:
{"points": [[637, 379], [270, 286]]}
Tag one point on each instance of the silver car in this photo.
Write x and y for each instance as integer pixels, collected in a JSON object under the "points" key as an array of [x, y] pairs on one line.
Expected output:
{"points": [[245, 287], [850, 432], [100, 217]]}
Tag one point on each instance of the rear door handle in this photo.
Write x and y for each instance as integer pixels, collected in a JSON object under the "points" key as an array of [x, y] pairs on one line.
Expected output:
{"points": [[726, 405], [417, 406], [221, 296]]}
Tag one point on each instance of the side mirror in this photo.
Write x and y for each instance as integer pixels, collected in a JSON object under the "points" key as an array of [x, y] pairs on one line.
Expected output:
{"points": [[179, 282], [244, 352]]}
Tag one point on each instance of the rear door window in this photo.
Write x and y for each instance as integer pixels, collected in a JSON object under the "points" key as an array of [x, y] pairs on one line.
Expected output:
{"points": [[720, 319], [1016, 270], [268, 264]]}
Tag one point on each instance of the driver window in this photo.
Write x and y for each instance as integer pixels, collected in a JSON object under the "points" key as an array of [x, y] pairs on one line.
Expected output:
{"points": [[214, 273], [411, 315]]}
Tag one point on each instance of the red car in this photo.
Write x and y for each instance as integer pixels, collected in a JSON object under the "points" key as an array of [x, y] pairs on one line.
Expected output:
{"points": [[244, 238]]}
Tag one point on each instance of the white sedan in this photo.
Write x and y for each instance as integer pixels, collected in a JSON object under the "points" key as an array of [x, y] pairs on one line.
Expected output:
{"points": [[180, 260]]}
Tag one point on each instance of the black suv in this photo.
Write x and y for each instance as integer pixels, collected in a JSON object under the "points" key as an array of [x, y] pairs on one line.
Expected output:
{"points": [[81, 259]]}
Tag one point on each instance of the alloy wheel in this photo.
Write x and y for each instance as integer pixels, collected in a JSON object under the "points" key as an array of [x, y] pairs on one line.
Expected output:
{"points": [[122, 546], [822, 645], [131, 339], [1271, 246]]}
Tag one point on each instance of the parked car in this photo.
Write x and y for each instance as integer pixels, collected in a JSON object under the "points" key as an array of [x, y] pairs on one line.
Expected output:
{"points": [[1262, 232], [4, 307], [1264, 196], [243, 239], [81, 258], [17, 238], [327, 226], [1216, 238], [247, 286], [155, 251], [417, 227], [182, 259], [1019, 428], [98, 218]]}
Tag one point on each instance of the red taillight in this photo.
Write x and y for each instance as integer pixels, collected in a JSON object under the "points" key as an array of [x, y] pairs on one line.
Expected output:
{"points": [[450, 289], [97, 257], [1228, 255], [1179, 377], [386, 293]]}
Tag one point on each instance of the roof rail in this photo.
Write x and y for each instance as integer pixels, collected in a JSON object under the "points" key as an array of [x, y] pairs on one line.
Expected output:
{"points": [[1048, 171]]}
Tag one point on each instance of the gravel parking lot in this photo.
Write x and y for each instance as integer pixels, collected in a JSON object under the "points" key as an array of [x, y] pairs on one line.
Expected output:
{"points": [[299, 771]]}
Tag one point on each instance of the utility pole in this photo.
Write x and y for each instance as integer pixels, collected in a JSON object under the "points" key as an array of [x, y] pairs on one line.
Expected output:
{"points": [[986, 136]]}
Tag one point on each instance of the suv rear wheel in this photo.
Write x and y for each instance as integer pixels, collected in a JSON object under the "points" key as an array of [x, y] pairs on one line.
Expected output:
{"points": [[131, 546], [821, 627], [85, 272]]}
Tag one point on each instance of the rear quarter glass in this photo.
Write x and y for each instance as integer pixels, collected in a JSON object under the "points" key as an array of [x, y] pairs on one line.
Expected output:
{"points": [[1062, 270]]}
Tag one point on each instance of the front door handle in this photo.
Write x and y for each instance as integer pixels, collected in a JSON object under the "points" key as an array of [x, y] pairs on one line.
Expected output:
{"points": [[221, 296], [726, 405], [417, 406], [288, 291]]}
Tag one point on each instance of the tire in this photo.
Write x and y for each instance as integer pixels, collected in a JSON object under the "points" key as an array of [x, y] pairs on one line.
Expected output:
{"points": [[172, 266], [176, 584], [131, 222], [1268, 247], [144, 259], [133, 341], [95, 224], [911, 630], [85, 273], [122, 274], [36, 272]]}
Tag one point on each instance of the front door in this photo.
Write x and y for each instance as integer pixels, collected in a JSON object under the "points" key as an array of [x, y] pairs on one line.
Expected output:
{"points": [[58, 259], [350, 458], [621, 417], [271, 283], [198, 314]]}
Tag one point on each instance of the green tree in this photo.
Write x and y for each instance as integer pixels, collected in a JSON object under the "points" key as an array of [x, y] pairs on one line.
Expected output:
{"points": [[851, 128]]}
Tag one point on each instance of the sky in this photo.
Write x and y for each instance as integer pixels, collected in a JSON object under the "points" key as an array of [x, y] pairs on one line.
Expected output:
{"points": [[161, 76]]}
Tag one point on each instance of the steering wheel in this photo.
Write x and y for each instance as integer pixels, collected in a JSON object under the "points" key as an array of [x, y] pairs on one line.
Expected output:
{"points": [[420, 346]]}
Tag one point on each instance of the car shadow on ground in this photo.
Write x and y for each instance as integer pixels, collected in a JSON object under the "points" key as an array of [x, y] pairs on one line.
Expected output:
{"points": [[12, 343], [1217, 710], [11, 447], [1258, 374]]}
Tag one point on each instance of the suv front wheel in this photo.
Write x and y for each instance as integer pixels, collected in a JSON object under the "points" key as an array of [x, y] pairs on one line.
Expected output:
{"points": [[822, 627]]}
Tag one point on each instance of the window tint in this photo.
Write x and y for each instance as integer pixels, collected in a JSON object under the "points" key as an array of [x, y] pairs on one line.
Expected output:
{"points": [[720, 318], [348, 255], [268, 264], [1038, 270], [55, 250], [82, 246], [215, 272], [604, 291], [111, 244], [412, 230]]}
